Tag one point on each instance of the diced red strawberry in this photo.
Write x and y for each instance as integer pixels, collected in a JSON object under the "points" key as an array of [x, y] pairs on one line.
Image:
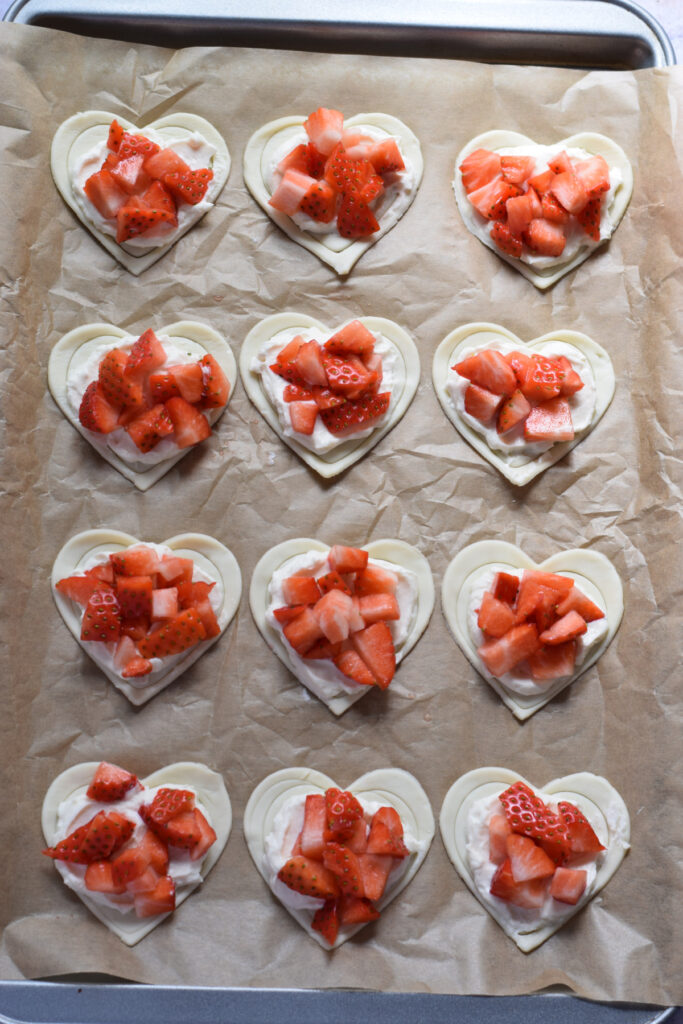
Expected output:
{"points": [[569, 192], [164, 603], [144, 883], [334, 611], [545, 238], [183, 831], [375, 580], [552, 210], [517, 169], [190, 380], [207, 617], [105, 193], [137, 667], [138, 560], [354, 910], [174, 636], [529, 816], [324, 128], [309, 877], [285, 364], [155, 852], [490, 370], [533, 595], [505, 240], [326, 921], [189, 426], [297, 159], [343, 863], [302, 416], [374, 871], [350, 663], [385, 156], [98, 878], [146, 355], [357, 414], [376, 647], [342, 811], [207, 836], [314, 825], [379, 608], [495, 617], [353, 337], [521, 364], [158, 197], [323, 649], [110, 783], [287, 613], [309, 364], [303, 631], [480, 403], [128, 864], [174, 570], [582, 838], [131, 144], [101, 619], [291, 190], [333, 581], [534, 200], [593, 174], [571, 381], [134, 219], [489, 200], [560, 163], [358, 838], [95, 412], [165, 161], [130, 175], [513, 411], [576, 601], [189, 186], [150, 427], [114, 136], [519, 213], [300, 590], [523, 894], [479, 168], [345, 174], [105, 833], [355, 219], [499, 830], [552, 580], [162, 386], [386, 834], [117, 388], [500, 656], [589, 218], [294, 393], [550, 421], [168, 802], [134, 594], [320, 202], [527, 860], [161, 899], [357, 145], [344, 559], [505, 587], [568, 885], [541, 379], [347, 375], [372, 189], [566, 628], [541, 182], [80, 588], [215, 385]]}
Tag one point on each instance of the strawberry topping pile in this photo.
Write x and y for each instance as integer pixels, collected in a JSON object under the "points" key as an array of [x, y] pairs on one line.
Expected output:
{"points": [[532, 213], [135, 869], [525, 393], [145, 604], [141, 186], [132, 392], [532, 625], [336, 174], [534, 848], [344, 858], [342, 616], [339, 381]]}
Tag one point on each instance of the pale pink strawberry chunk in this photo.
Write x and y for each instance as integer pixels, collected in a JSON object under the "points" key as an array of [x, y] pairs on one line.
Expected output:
{"points": [[357, 146], [125, 652], [333, 612], [302, 416], [550, 421], [553, 662], [379, 608], [527, 860], [309, 364], [569, 192], [500, 656], [312, 841], [290, 191], [593, 174], [164, 603], [520, 213], [545, 238], [568, 885], [479, 168], [324, 128], [568, 627], [499, 830], [481, 404]]}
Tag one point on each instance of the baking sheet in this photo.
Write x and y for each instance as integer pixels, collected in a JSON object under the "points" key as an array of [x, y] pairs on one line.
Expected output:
{"points": [[239, 710]]}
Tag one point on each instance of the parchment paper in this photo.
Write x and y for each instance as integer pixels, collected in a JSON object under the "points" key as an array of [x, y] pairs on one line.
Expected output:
{"points": [[238, 709]]}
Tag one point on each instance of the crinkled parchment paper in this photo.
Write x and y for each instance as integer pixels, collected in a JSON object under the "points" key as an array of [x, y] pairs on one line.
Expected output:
{"points": [[238, 709]]}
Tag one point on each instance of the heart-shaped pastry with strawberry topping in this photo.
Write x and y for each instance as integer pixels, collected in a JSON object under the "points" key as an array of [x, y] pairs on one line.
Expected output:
{"points": [[138, 190], [542, 209], [334, 185], [155, 860], [534, 857], [185, 377], [522, 405], [359, 848], [330, 396], [531, 630], [145, 612], [341, 619]]}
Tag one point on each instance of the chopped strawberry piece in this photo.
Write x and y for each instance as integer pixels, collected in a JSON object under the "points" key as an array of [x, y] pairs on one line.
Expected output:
{"points": [[326, 921], [138, 560], [150, 427], [345, 174], [168, 803], [568, 885], [505, 587], [593, 174], [343, 559], [165, 161], [99, 878], [550, 421], [300, 590], [568, 627], [215, 385], [190, 380], [128, 864], [571, 381], [545, 238], [489, 200], [314, 825], [320, 202], [348, 375], [577, 601], [505, 240], [164, 603], [541, 379], [294, 393], [287, 613], [115, 136], [134, 594], [334, 611], [207, 836], [162, 386], [495, 617], [80, 588], [374, 871], [355, 415], [527, 860], [303, 631], [189, 186], [110, 783], [479, 168], [480, 403], [386, 834], [375, 580], [174, 636], [333, 581], [342, 811], [324, 128], [490, 370], [529, 816], [155, 852], [354, 338], [302, 416], [95, 412], [323, 649], [290, 191], [541, 182], [379, 608], [582, 838], [119, 389], [355, 219], [589, 218], [160, 900], [137, 667], [372, 189], [343, 863], [130, 175], [355, 910], [105, 833], [569, 192], [134, 219], [523, 894], [105, 193], [102, 618], [517, 169], [513, 411], [560, 163], [501, 655], [385, 157], [146, 355], [519, 213], [189, 426], [552, 210], [309, 364], [130, 145], [309, 877], [521, 364], [375, 645], [350, 664], [499, 830]]}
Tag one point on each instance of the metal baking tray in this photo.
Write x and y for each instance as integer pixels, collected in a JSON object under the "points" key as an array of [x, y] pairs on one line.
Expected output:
{"points": [[613, 34], [568, 33]]}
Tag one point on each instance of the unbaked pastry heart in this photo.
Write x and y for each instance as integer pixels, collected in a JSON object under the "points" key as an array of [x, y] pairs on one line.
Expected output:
{"points": [[594, 574], [211, 794], [396, 552], [76, 348], [82, 132], [387, 786], [598, 145], [594, 796], [339, 253], [340, 458], [519, 469], [210, 556]]}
